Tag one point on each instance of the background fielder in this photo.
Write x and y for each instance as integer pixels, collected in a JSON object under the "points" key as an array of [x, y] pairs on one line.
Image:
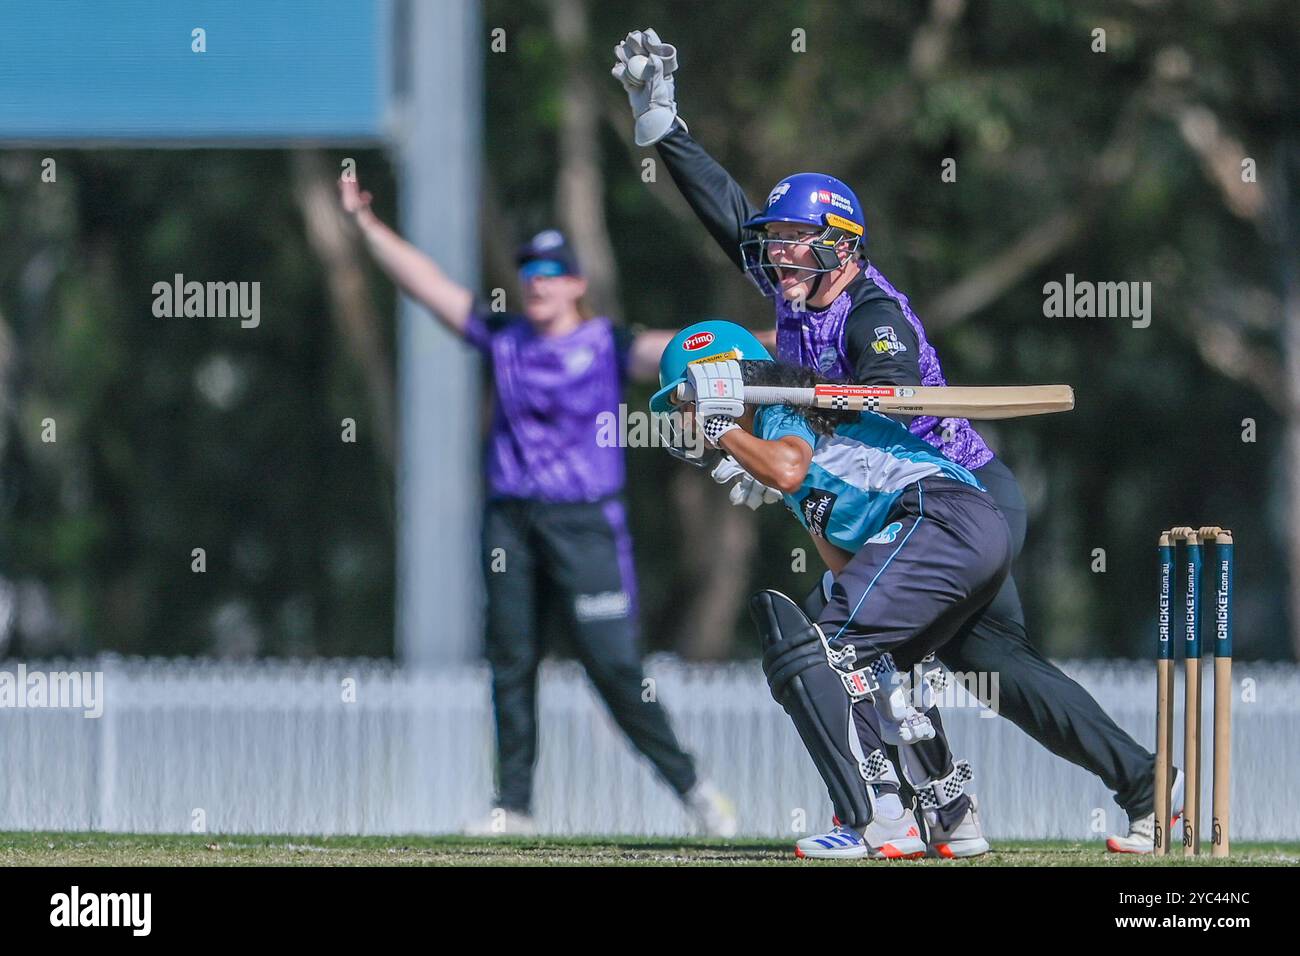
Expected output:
{"points": [[555, 522]]}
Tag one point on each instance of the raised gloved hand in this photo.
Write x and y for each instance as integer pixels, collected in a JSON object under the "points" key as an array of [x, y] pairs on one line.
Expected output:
{"points": [[749, 491], [645, 68]]}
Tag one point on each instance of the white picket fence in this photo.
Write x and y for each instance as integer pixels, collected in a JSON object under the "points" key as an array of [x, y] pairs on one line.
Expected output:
{"points": [[362, 747]]}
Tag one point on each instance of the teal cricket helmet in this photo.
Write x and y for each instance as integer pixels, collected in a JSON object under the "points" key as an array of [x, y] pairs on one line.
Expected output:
{"points": [[714, 340]]}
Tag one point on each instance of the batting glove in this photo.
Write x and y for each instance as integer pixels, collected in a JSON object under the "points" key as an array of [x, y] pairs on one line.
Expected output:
{"points": [[749, 491], [718, 388]]}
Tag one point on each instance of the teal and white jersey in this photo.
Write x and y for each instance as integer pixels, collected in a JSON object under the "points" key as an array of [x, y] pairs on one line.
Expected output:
{"points": [[856, 474]]}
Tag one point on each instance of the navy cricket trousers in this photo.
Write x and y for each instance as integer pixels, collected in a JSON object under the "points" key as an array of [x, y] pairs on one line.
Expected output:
{"points": [[941, 557]]}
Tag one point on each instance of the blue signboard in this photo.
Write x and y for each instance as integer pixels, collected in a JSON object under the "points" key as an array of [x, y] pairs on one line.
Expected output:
{"points": [[277, 71]]}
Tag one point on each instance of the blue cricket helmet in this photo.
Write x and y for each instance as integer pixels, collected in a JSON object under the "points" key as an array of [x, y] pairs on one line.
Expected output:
{"points": [[812, 199]]}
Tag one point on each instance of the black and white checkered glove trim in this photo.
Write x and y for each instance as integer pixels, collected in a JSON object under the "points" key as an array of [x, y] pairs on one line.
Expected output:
{"points": [[717, 426], [877, 769], [941, 792], [883, 666]]}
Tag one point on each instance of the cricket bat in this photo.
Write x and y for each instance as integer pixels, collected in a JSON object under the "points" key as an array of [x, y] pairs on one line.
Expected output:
{"points": [[941, 401]]}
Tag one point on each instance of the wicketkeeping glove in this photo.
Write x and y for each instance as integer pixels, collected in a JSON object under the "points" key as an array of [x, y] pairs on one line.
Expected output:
{"points": [[749, 491], [900, 722], [651, 94]]}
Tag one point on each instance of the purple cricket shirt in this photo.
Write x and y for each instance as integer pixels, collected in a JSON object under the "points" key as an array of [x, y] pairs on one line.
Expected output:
{"points": [[815, 339], [549, 391]]}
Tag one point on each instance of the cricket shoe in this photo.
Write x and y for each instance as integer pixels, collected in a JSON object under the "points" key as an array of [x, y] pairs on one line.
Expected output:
{"points": [[842, 843], [1141, 837], [963, 839], [503, 823], [714, 814], [881, 839], [896, 839]]}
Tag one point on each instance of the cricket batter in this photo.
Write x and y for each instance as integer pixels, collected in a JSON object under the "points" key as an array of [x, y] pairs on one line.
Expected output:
{"points": [[916, 548], [837, 315], [555, 519]]}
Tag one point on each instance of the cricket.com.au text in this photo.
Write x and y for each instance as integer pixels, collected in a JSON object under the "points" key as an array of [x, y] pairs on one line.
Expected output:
{"points": [[77, 908], [76, 690]]}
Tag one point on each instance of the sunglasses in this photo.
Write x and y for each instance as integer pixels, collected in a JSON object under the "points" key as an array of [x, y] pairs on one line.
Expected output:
{"points": [[542, 268]]}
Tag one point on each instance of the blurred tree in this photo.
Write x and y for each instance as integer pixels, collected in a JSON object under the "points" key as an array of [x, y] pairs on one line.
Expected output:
{"points": [[1169, 158], [182, 433], [350, 303]]}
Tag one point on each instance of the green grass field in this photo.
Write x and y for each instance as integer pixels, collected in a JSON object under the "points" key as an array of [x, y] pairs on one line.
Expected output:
{"points": [[102, 849]]}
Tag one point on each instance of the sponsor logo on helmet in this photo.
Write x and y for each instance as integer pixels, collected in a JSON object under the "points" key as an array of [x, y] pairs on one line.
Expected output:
{"points": [[780, 190], [839, 222], [717, 357], [832, 199], [698, 341]]}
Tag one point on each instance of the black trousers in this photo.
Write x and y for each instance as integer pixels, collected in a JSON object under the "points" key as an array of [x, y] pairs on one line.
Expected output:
{"points": [[1033, 692], [580, 555]]}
